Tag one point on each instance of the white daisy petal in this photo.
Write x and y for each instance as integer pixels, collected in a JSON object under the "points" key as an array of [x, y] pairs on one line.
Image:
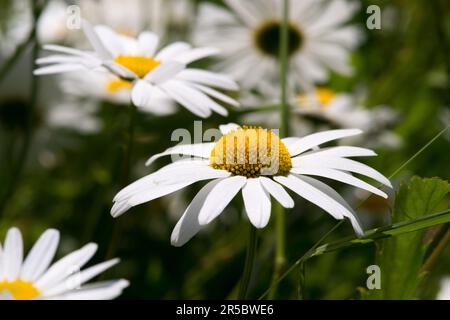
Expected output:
{"points": [[172, 51], [119, 70], [76, 280], [313, 195], [111, 40], [188, 225], [226, 128], [40, 256], [187, 97], [97, 291], [208, 78], [12, 254], [257, 203], [95, 41], [216, 94], [339, 176], [1, 263], [336, 196], [201, 150], [187, 179], [164, 72], [66, 50], [148, 42], [277, 192], [58, 68], [64, 267], [119, 208], [141, 94], [148, 182], [245, 10], [196, 54], [219, 197], [315, 139], [343, 164], [341, 151]]}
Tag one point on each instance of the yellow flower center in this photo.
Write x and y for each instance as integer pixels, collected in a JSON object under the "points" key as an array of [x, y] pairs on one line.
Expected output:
{"points": [[114, 86], [20, 290], [322, 96], [251, 152], [140, 65]]}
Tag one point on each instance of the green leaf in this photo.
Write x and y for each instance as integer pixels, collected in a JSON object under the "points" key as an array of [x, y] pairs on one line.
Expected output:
{"points": [[401, 258], [383, 232]]}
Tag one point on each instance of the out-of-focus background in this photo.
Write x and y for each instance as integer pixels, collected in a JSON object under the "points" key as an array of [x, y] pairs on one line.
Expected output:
{"points": [[61, 156]]}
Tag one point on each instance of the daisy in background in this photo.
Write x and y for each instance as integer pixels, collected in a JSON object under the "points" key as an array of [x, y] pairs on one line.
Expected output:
{"points": [[159, 16], [258, 162], [150, 72], [34, 278], [108, 87], [325, 108], [248, 36], [69, 114]]}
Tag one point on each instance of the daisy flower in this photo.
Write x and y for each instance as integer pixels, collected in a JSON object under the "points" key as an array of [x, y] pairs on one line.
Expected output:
{"points": [[108, 87], [150, 72], [248, 37], [34, 278], [258, 162]]}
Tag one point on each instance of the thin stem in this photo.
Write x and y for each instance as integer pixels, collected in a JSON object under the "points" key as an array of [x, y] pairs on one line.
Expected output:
{"points": [[300, 260], [249, 263], [125, 179], [28, 130], [280, 224], [284, 61], [434, 256]]}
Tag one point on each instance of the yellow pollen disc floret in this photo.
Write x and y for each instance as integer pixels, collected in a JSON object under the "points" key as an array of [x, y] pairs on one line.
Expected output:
{"points": [[322, 96], [20, 290], [251, 152], [116, 85], [140, 65]]}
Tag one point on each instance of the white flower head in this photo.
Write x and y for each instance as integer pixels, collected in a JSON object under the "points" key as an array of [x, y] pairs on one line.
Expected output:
{"points": [[249, 39], [260, 164], [151, 72], [34, 277]]}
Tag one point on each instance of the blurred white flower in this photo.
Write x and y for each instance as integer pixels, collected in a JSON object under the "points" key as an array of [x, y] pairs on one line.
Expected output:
{"points": [[52, 24], [150, 72], [444, 292], [248, 37], [34, 278], [15, 26], [257, 161], [108, 87], [158, 16], [331, 110], [69, 114]]}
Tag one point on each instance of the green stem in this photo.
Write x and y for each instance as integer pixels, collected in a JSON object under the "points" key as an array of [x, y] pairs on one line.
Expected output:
{"points": [[249, 263], [115, 235], [280, 225], [28, 130], [284, 64], [434, 256], [299, 261]]}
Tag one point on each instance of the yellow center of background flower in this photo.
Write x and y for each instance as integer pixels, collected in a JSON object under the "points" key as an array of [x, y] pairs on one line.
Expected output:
{"points": [[322, 96], [116, 85], [20, 290], [251, 152], [140, 65]]}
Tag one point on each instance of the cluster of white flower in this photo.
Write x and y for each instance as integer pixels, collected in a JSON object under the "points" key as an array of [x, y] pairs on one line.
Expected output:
{"points": [[127, 65]]}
